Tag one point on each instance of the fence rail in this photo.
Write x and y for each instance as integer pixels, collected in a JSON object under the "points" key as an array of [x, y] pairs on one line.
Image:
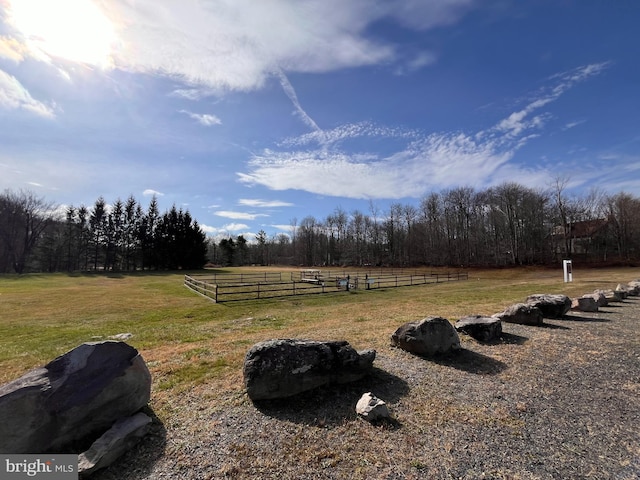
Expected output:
{"points": [[219, 288]]}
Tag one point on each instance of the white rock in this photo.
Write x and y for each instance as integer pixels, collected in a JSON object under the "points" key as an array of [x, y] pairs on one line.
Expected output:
{"points": [[372, 408]]}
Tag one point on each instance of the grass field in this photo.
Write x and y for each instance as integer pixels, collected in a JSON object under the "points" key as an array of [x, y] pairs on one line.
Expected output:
{"points": [[542, 394], [187, 339]]}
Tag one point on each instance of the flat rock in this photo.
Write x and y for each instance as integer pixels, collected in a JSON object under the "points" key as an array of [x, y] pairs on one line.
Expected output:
{"points": [[125, 433]]}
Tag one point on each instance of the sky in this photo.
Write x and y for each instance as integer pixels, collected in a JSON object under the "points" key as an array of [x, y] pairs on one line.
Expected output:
{"points": [[254, 114]]}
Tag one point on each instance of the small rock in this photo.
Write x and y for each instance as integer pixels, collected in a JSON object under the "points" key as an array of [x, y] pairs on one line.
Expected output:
{"points": [[372, 408], [121, 336]]}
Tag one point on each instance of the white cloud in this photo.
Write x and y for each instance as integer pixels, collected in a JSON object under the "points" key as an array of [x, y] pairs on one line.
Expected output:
{"points": [[149, 192], [14, 96], [190, 93], [237, 45], [235, 227], [417, 62], [424, 162], [238, 215], [203, 119], [263, 203]]}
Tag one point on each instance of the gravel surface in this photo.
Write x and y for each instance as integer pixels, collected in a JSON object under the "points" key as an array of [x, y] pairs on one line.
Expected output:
{"points": [[554, 402]]}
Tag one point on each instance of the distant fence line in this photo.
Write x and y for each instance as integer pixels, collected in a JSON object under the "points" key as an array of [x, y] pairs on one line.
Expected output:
{"points": [[253, 286]]}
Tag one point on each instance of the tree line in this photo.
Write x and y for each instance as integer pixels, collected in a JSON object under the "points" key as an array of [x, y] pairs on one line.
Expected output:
{"points": [[118, 237], [508, 224]]}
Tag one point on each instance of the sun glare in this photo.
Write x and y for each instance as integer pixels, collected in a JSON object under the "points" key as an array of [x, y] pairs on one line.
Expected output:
{"points": [[75, 30]]}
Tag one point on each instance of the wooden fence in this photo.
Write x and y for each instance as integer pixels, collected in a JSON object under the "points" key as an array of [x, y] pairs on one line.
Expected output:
{"points": [[231, 287]]}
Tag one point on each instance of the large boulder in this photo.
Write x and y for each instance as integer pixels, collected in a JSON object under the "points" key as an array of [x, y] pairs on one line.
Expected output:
{"points": [[634, 288], [586, 303], [622, 291], [73, 399], [484, 329], [610, 295], [522, 313], [427, 337], [551, 306], [285, 367], [599, 297]]}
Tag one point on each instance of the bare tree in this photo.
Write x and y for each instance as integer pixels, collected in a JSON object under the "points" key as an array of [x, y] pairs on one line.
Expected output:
{"points": [[23, 219]]}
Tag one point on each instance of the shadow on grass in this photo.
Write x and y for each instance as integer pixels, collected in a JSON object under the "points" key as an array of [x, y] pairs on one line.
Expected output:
{"points": [[470, 362], [335, 404], [137, 463]]}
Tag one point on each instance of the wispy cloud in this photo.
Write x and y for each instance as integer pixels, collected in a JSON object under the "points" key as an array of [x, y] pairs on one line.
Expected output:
{"points": [[437, 160], [204, 119], [12, 49], [291, 93], [149, 192], [248, 202], [238, 215], [14, 96]]}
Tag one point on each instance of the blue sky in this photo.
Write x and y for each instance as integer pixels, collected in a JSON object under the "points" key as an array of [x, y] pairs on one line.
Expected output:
{"points": [[253, 113]]}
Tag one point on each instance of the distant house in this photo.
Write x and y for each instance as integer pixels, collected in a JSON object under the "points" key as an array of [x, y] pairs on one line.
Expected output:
{"points": [[586, 238]]}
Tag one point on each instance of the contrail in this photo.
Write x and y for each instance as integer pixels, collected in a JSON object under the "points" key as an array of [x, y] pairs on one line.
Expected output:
{"points": [[291, 93]]}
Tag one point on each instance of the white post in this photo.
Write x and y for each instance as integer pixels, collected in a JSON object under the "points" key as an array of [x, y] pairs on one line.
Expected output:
{"points": [[568, 274]]}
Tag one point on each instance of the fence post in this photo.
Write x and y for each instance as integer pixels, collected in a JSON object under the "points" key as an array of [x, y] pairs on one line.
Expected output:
{"points": [[216, 293], [258, 289]]}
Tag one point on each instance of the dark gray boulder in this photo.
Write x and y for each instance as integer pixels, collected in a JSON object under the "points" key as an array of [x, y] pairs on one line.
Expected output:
{"points": [[551, 306], [600, 298], [622, 291], [484, 329], [522, 313], [427, 337], [73, 399], [586, 303], [282, 368], [634, 288], [610, 295]]}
